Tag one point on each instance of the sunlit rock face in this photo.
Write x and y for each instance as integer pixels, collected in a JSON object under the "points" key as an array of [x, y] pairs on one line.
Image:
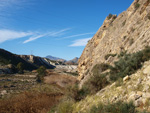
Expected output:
{"points": [[129, 31]]}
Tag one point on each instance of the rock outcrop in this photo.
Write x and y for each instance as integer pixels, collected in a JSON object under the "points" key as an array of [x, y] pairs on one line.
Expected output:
{"points": [[135, 89], [129, 31]]}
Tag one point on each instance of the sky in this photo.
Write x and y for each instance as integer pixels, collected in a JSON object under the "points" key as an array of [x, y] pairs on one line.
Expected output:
{"points": [[60, 28]]}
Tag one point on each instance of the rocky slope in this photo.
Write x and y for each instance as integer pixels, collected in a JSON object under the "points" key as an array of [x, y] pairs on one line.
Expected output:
{"points": [[134, 88], [129, 31]]}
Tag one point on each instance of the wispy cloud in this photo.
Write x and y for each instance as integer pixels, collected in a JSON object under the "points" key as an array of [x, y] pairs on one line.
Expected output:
{"points": [[34, 38], [6, 35], [80, 42], [77, 35], [49, 34]]}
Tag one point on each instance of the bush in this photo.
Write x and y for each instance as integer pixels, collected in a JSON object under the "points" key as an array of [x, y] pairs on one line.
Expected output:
{"points": [[109, 16], [128, 63], [65, 106], [118, 107], [20, 67], [76, 93], [136, 6], [41, 73], [98, 68], [108, 55], [119, 82], [97, 82]]}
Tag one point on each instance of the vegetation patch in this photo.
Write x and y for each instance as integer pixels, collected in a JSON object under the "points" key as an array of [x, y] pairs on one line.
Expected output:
{"points": [[136, 6], [124, 23], [128, 63], [96, 83], [77, 94], [29, 103], [109, 16], [41, 73], [108, 55], [118, 107]]}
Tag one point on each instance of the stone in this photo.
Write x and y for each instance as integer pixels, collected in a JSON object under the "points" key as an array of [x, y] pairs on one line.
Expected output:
{"points": [[126, 78], [146, 88], [147, 70], [146, 95], [139, 81], [131, 95], [138, 102], [138, 95], [3, 92]]}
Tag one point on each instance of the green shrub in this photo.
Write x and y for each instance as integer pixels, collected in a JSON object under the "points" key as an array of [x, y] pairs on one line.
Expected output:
{"points": [[108, 55], [118, 107], [109, 16], [128, 63], [20, 67], [98, 68], [119, 82], [97, 82], [76, 93], [136, 6], [65, 106], [41, 73]]}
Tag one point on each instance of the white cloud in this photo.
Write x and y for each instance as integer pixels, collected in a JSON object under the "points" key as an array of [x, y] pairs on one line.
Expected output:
{"points": [[50, 34], [58, 33], [80, 42], [33, 38], [6, 35], [77, 35]]}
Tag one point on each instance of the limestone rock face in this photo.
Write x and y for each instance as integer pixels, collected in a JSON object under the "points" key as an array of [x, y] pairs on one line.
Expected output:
{"points": [[129, 31]]}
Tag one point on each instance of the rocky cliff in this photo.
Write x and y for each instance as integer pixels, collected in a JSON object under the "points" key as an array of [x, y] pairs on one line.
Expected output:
{"points": [[129, 31]]}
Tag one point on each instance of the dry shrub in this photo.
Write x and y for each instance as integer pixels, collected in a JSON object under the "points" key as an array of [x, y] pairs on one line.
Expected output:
{"points": [[30, 102]]}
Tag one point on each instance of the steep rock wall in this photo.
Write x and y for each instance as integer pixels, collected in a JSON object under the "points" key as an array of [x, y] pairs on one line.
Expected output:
{"points": [[129, 31]]}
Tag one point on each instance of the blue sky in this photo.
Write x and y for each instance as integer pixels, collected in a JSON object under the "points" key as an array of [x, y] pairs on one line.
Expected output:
{"points": [[59, 28]]}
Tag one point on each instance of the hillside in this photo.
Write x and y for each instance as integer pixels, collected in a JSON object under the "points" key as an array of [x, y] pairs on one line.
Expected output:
{"points": [[55, 58], [73, 61], [129, 31], [30, 62], [10, 58]]}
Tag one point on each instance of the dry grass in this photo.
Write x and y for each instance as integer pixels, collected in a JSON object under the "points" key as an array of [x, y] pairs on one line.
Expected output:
{"points": [[30, 102], [60, 79]]}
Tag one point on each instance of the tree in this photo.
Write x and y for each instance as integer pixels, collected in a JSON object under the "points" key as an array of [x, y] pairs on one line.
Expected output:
{"points": [[20, 67], [41, 73]]}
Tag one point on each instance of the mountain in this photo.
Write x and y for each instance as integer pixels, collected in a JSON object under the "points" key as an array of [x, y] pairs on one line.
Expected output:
{"points": [[115, 64], [129, 31], [55, 58], [73, 61], [10, 58], [30, 62], [69, 62]]}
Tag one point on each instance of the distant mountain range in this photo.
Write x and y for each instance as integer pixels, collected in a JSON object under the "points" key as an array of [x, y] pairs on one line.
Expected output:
{"points": [[69, 62], [55, 58]]}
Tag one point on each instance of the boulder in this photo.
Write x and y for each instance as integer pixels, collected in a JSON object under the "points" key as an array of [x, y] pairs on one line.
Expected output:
{"points": [[126, 78], [147, 70]]}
